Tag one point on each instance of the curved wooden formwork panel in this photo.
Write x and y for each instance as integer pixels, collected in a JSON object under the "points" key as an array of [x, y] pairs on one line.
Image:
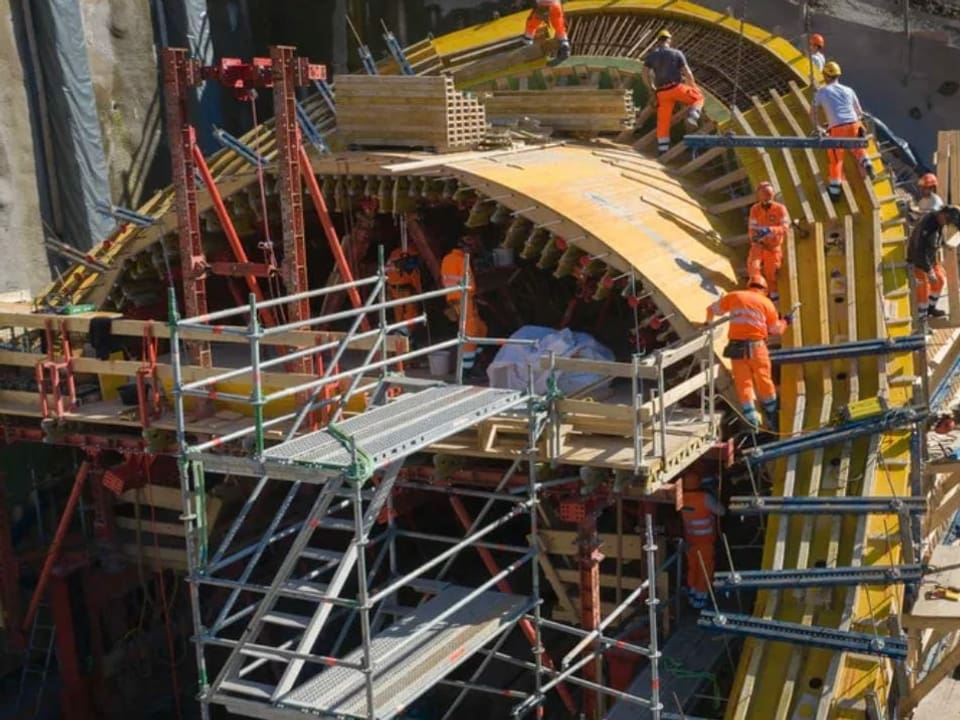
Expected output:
{"points": [[653, 222]]}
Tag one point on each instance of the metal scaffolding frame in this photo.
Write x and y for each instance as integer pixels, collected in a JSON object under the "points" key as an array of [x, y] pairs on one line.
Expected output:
{"points": [[325, 631]]}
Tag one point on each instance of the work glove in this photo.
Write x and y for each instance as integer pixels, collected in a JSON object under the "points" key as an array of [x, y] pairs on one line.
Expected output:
{"points": [[932, 276], [821, 131], [788, 318], [761, 233]]}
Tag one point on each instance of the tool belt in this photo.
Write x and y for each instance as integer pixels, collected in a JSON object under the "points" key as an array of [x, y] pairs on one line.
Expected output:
{"points": [[740, 349]]}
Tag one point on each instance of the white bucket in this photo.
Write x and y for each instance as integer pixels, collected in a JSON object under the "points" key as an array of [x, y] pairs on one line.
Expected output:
{"points": [[502, 257], [441, 363]]}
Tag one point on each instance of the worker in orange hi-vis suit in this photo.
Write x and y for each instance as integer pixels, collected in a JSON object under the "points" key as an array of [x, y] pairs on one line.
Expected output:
{"points": [[403, 280], [923, 248], [840, 106], [667, 87], [551, 12], [753, 318], [768, 225], [452, 269], [699, 512]]}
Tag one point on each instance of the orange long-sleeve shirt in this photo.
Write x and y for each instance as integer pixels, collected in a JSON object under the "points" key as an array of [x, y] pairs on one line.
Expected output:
{"points": [[753, 315], [775, 218]]}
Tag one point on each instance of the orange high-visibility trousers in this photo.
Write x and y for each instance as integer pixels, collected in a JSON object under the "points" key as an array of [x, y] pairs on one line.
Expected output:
{"points": [[670, 96], [928, 289], [701, 547], [536, 18], [754, 376], [765, 261], [850, 130], [408, 311], [474, 326]]}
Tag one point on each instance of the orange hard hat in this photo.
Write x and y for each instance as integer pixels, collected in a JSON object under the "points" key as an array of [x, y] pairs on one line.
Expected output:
{"points": [[817, 40], [765, 192], [927, 180], [757, 281]]}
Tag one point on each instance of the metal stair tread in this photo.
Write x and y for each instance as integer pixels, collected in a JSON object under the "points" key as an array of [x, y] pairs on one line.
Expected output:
{"points": [[399, 428], [414, 669]]}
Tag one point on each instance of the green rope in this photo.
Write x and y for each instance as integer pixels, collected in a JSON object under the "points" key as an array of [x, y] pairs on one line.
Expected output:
{"points": [[676, 668], [365, 466]]}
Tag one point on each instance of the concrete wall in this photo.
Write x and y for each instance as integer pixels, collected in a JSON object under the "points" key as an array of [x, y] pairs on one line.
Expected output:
{"points": [[898, 78], [24, 262]]}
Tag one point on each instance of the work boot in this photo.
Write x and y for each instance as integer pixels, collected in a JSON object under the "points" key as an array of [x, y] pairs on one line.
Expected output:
{"points": [[693, 119], [751, 415], [528, 41], [563, 52], [935, 312], [697, 601], [771, 410], [868, 169]]}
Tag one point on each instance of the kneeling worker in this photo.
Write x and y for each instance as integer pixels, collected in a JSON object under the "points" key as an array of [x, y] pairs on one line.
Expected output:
{"points": [[699, 511], [769, 222], [922, 249], [452, 270], [753, 318]]}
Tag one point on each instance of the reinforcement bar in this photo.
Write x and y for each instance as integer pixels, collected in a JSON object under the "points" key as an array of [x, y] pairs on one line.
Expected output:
{"points": [[808, 635], [773, 141], [818, 577], [755, 505], [898, 417], [860, 348]]}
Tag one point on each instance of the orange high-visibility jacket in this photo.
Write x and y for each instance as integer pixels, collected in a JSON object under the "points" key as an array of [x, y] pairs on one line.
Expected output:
{"points": [[397, 275], [699, 524], [752, 315], [775, 218], [451, 273]]}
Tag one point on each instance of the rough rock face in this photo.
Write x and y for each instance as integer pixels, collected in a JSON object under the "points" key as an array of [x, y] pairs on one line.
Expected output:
{"points": [[123, 63], [24, 265]]}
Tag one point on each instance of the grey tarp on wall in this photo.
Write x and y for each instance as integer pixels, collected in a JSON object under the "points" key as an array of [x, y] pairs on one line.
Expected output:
{"points": [[80, 163]]}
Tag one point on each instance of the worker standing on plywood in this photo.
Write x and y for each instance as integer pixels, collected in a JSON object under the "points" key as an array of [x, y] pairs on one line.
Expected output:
{"points": [[452, 270], [922, 249], [816, 51], [753, 318], [699, 511], [840, 107], [769, 222], [929, 200], [403, 281], [549, 12], [667, 87]]}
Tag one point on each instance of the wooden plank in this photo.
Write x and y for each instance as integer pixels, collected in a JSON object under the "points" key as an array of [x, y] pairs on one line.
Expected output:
{"points": [[597, 367], [551, 574], [564, 542], [938, 614], [650, 410], [147, 525], [606, 580]]}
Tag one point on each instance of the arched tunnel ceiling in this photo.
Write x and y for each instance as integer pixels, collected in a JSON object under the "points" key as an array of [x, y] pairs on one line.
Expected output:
{"points": [[678, 263]]}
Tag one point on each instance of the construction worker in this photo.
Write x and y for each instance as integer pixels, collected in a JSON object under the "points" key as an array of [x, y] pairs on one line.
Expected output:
{"points": [[753, 318], [549, 12], [922, 248], [841, 109], [667, 87], [452, 270], [699, 512], [816, 51], [768, 225], [929, 200], [403, 280]]}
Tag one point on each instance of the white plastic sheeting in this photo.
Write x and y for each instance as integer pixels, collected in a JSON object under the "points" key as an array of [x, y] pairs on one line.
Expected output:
{"points": [[511, 366]]}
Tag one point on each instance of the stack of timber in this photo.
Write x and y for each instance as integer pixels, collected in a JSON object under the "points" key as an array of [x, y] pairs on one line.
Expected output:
{"points": [[408, 112], [564, 109]]}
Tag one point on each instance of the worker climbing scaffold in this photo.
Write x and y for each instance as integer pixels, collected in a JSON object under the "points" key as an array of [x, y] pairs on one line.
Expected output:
{"points": [[548, 12], [699, 512], [403, 281], [452, 270], [768, 225], [672, 82], [840, 107], [923, 248], [753, 318]]}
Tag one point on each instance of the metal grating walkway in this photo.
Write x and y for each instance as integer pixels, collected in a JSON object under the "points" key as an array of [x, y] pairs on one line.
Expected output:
{"points": [[420, 664], [402, 427]]}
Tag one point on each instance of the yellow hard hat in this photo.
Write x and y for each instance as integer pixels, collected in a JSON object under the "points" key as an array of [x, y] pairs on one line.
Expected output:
{"points": [[664, 35], [832, 69]]}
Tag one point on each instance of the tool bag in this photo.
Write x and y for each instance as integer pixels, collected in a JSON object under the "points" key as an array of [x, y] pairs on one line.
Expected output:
{"points": [[739, 350]]}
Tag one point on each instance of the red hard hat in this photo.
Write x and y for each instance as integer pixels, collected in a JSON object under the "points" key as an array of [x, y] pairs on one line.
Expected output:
{"points": [[928, 180], [765, 192], [817, 40], [757, 281]]}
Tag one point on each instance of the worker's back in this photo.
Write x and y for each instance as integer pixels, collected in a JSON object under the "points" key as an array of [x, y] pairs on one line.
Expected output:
{"points": [[667, 64], [752, 314], [839, 103]]}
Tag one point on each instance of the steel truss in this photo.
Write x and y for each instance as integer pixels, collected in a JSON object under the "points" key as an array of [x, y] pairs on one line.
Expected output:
{"points": [[342, 626]]}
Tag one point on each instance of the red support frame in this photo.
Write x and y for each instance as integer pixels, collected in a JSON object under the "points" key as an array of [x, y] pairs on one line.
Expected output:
{"points": [[589, 558], [55, 366], [148, 395]]}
